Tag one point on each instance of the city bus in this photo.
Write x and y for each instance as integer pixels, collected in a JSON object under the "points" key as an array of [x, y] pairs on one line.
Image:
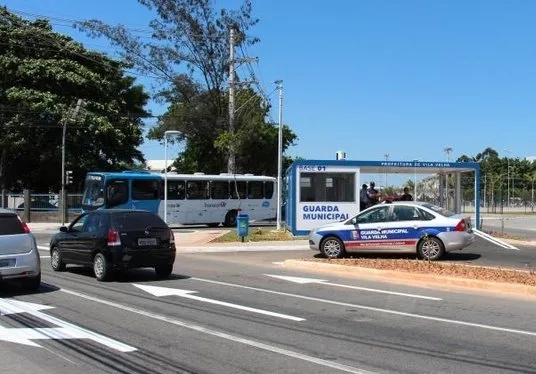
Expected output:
{"points": [[191, 198]]}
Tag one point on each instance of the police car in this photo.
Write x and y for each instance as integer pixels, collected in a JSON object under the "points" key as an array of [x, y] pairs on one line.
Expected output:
{"points": [[398, 227]]}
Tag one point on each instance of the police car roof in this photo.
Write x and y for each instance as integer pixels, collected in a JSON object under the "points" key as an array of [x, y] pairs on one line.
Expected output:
{"points": [[411, 202]]}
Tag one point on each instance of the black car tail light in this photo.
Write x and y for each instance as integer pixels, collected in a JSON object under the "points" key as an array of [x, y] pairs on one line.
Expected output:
{"points": [[25, 227], [113, 238]]}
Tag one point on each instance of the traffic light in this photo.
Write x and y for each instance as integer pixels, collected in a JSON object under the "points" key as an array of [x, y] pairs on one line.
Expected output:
{"points": [[69, 177]]}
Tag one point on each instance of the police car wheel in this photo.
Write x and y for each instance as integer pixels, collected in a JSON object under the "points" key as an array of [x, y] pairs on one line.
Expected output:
{"points": [[430, 249], [332, 247]]}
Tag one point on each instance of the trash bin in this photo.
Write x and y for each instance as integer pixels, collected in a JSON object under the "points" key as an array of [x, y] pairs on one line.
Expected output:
{"points": [[242, 225]]}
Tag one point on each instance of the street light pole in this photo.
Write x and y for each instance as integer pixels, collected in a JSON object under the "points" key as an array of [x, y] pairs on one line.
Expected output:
{"points": [[508, 177], [386, 155], [169, 132], [72, 116], [448, 151], [279, 153], [415, 180]]}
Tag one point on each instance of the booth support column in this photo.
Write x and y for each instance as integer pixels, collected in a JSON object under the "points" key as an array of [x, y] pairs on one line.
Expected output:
{"points": [[458, 194]]}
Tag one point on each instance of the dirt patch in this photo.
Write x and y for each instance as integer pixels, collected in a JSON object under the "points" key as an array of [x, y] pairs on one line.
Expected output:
{"points": [[430, 274]]}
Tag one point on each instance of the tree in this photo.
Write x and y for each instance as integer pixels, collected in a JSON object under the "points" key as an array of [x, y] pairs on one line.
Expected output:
{"points": [[43, 74], [189, 53]]}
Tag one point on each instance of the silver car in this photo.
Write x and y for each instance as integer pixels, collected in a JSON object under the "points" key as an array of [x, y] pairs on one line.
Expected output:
{"points": [[19, 257], [400, 227]]}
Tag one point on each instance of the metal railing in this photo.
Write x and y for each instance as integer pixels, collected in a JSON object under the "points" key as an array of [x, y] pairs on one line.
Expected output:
{"points": [[42, 202]]}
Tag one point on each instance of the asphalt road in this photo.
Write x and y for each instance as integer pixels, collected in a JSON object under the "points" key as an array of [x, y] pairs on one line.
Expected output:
{"points": [[242, 319]]}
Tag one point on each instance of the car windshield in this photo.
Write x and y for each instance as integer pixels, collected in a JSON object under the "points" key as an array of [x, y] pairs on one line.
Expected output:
{"points": [[444, 212]]}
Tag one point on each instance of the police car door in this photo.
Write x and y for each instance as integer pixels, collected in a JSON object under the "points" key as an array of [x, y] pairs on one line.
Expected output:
{"points": [[405, 228], [368, 229]]}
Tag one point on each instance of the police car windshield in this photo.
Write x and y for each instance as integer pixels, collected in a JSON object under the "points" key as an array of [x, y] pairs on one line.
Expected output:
{"points": [[444, 212]]}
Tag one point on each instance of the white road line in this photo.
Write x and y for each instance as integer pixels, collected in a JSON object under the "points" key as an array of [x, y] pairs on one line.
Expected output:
{"points": [[494, 240], [387, 311], [301, 280], [166, 291], [42, 248], [223, 335]]}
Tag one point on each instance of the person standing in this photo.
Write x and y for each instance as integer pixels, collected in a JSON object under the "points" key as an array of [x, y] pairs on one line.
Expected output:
{"points": [[373, 195], [363, 198], [406, 196]]}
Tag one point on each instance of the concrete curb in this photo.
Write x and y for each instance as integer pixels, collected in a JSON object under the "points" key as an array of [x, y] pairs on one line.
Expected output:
{"points": [[419, 280]]}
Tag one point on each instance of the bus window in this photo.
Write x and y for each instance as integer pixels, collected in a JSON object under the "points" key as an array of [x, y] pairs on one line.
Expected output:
{"points": [[240, 187], [145, 189], [255, 190], [175, 190], [268, 190], [327, 187], [197, 190], [219, 189], [116, 192]]}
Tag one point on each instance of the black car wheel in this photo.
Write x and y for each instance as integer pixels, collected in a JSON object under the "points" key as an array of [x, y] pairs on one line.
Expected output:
{"points": [[56, 261], [33, 283], [101, 268], [163, 271]]}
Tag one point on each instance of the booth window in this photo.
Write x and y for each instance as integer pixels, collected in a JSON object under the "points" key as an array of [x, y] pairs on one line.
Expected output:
{"points": [[326, 187]]}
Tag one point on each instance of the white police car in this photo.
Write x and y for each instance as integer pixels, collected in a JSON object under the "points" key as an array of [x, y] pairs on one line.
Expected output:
{"points": [[399, 227]]}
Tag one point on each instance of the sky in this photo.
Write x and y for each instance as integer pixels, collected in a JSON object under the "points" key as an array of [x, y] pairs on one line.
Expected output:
{"points": [[403, 78]]}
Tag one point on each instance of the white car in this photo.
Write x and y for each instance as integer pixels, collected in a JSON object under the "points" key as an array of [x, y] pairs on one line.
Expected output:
{"points": [[19, 257], [398, 227]]}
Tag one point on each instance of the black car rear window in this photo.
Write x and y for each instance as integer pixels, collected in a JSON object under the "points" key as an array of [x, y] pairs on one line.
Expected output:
{"points": [[10, 225], [136, 221]]}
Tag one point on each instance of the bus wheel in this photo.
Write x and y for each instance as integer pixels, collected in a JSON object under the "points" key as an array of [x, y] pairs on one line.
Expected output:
{"points": [[230, 218]]}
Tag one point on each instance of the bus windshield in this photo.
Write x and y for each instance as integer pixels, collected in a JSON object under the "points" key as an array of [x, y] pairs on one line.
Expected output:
{"points": [[94, 192]]}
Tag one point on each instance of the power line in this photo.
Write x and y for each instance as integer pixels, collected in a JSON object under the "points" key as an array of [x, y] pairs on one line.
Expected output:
{"points": [[70, 22]]}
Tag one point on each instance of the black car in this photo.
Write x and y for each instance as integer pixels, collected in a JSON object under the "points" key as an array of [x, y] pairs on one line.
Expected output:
{"points": [[115, 239]]}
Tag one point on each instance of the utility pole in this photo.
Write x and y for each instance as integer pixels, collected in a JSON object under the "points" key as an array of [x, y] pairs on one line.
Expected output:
{"points": [[72, 116], [279, 153], [231, 160]]}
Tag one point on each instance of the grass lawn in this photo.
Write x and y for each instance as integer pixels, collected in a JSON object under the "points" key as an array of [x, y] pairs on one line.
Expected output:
{"points": [[257, 235]]}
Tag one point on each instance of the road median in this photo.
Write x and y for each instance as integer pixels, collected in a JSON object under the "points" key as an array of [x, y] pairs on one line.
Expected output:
{"points": [[420, 273]]}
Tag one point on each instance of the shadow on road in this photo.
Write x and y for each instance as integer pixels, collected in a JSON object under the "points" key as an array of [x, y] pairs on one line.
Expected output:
{"points": [[11, 288], [127, 275]]}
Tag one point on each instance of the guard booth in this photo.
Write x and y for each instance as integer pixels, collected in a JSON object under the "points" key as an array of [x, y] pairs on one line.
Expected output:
{"points": [[324, 191]]}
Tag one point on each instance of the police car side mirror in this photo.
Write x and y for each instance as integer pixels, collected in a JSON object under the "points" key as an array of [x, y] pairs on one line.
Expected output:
{"points": [[354, 221]]}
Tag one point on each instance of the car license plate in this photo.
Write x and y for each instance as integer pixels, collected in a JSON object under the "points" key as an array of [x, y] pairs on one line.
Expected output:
{"points": [[146, 241]]}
